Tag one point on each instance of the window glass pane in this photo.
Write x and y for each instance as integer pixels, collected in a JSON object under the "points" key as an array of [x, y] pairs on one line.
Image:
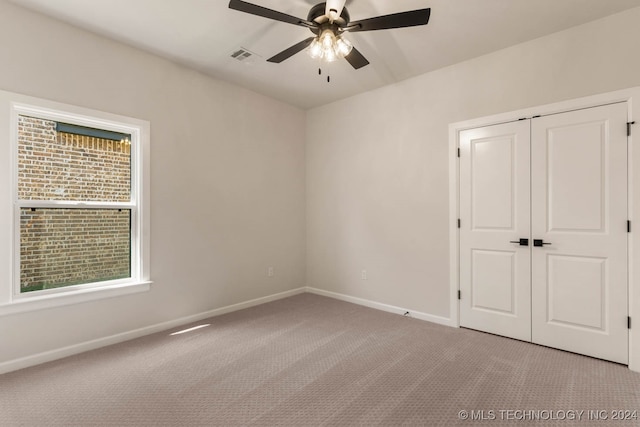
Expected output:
{"points": [[64, 247], [55, 165]]}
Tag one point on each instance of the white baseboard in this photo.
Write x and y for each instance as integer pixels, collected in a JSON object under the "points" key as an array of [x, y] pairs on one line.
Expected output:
{"points": [[384, 307], [48, 356]]}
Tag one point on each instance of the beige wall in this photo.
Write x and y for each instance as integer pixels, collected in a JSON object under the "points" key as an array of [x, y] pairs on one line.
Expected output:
{"points": [[377, 189], [227, 180]]}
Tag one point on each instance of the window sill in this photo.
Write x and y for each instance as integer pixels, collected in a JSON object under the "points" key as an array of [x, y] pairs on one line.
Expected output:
{"points": [[34, 303]]}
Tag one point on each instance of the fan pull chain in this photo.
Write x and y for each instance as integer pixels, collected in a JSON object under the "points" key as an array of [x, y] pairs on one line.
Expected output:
{"points": [[328, 76]]}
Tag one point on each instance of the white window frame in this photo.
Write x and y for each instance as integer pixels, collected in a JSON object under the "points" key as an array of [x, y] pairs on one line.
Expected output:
{"points": [[11, 299]]}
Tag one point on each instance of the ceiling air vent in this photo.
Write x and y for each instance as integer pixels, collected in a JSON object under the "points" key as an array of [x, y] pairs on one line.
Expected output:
{"points": [[244, 55]]}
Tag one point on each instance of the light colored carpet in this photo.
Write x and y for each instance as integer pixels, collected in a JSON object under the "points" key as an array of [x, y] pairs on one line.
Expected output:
{"points": [[310, 360]]}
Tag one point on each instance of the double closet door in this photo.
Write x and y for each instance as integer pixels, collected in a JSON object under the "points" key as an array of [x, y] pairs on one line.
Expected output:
{"points": [[543, 235]]}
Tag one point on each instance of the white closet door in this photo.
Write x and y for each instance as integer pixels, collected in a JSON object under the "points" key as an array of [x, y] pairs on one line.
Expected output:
{"points": [[494, 204], [579, 211]]}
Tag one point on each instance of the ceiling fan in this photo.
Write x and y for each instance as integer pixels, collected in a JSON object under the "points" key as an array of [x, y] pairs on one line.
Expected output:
{"points": [[328, 21]]}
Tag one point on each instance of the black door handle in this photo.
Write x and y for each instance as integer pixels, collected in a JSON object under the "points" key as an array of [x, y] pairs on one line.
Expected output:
{"points": [[540, 242], [521, 242]]}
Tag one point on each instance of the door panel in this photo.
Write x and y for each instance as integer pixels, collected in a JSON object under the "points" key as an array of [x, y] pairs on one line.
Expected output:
{"points": [[576, 177], [492, 169], [579, 207], [492, 281], [577, 292], [494, 205]]}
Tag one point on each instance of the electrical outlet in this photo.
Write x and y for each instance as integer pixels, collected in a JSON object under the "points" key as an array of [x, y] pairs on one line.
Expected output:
{"points": [[363, 275], [270, 272]]}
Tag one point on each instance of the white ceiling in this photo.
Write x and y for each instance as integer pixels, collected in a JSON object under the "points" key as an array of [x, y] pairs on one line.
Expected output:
{"points": [[203, 33]]}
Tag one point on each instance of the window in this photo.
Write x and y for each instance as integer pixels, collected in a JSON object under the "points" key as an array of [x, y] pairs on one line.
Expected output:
{"points": [[79, 218]]}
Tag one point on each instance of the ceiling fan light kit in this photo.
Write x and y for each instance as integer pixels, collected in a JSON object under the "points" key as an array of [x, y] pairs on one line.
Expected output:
{"points": [[328, 21], [329, 47]]}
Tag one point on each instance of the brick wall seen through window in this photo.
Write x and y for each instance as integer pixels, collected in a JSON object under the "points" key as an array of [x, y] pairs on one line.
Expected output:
{"points": [[64, 247]]}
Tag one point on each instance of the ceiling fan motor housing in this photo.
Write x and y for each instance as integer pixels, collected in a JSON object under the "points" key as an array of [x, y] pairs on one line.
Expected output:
{"points": [[317, 15]]}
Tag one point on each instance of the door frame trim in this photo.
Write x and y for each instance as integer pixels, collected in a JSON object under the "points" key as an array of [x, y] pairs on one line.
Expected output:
{"points": [[633, 195]]}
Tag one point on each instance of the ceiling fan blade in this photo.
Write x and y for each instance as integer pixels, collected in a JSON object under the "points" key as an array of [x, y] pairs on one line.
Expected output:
{"points": [[287, 53], [396, 20], [254, 9], [356, 59]]}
